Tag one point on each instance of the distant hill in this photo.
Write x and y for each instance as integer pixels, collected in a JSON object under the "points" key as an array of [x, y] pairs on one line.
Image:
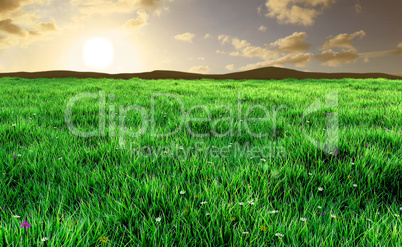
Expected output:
{"points": [[266, 73]]}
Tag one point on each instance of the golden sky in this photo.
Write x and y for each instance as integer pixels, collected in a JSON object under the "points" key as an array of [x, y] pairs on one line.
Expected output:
{"points": [[203, 36]]}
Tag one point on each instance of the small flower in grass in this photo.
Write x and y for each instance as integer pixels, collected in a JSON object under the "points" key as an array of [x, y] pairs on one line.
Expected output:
{"points": [[25, 224], [400, 208], [310, 174], [207, 214], [44, 239], [205, 202], [250, 203], [323, 214], [245, 232], [333, 216], [15, 156], [366, 145], [103, 239], [279, 235], [241, 203], [273, 212], [349, 177], [263, 228], [158, 219], [369, 220], [355, 185], [186, 211], [182, 192], [303, 219], [320, 189], [396, 215], [196, 196], [232, 218], [16, 216], [319, 207], [141, 131]]}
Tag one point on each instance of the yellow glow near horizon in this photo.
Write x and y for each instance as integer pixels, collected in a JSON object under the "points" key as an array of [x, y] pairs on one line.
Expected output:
{"points": [[98, 53]]}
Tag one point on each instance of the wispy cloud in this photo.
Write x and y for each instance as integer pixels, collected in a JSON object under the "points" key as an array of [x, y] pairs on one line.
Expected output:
{"points": [[199, 69], [343, 40], [187, 37], [334, 59], [262, 28], [139, 22]]}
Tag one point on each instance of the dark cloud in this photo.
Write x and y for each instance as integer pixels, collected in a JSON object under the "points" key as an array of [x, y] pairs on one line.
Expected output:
{"points": [[293, 43], [343, 40], [335, 59], [7, 26]]}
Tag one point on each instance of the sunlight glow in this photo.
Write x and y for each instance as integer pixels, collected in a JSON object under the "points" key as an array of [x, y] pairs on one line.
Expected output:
{"points": [[98, 53]]}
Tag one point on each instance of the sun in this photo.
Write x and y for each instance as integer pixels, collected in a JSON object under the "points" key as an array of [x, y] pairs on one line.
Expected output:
{"points": [[98, 53]]}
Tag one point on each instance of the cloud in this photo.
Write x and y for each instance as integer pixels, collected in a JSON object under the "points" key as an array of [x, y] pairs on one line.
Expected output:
{"points": [[48, 27], [398, 50], [343, 40], [22, 37], [289, 50], [230, 67], [199, 69], [335, 59], [207, 36], [7, 26], [262, 28], [140, 21], [107, 7], [9, 6], [239, 44], [6, 42], [292, 43], [300, 12], [188, 37], [299, 60], [358, 8], [224, 39]]}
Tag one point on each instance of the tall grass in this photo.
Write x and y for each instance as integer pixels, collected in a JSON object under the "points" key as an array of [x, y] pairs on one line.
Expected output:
{"points": [[176, 190]]}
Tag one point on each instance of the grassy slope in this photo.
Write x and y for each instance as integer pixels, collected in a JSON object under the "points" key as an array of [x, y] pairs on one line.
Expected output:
{"points": [[74, 190]]}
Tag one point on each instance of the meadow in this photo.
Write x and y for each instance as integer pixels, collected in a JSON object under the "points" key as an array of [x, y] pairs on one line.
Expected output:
{"points": [[124, 186]]}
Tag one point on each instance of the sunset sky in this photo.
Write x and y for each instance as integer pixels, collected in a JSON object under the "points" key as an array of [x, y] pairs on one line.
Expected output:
{"points": [[203, 36]]}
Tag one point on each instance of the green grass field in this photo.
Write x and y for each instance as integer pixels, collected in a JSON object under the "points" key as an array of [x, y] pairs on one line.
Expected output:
{"points": [[117, 189]]}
